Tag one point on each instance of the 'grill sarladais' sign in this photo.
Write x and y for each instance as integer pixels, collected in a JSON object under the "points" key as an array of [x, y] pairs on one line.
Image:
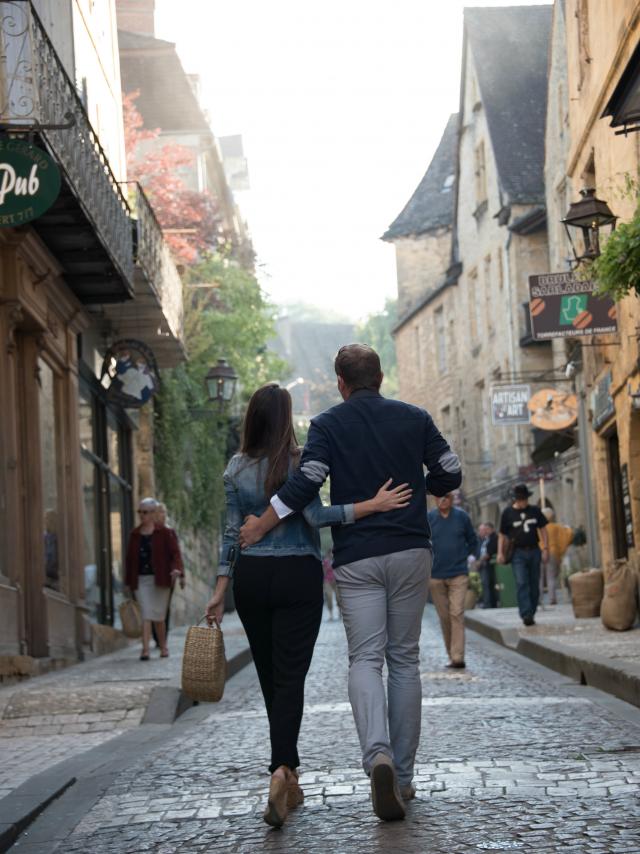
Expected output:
{"points": [[29, 182]]}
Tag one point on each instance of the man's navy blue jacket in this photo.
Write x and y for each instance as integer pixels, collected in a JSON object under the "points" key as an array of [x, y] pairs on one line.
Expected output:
{"points": [[361, 443]]}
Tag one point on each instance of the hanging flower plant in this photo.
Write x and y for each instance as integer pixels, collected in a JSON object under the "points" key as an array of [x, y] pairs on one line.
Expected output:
{"points": [[616, 271]]}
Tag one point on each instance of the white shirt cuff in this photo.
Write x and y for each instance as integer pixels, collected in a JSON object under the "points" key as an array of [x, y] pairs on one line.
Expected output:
{"points": [[282, 511]]}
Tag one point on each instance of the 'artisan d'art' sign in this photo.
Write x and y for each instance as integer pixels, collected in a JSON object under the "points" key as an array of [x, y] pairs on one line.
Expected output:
{"points": [[29, 182], [130, 373]]}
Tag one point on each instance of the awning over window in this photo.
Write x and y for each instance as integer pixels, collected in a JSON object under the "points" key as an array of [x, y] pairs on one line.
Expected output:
{"points": [[624, 104]]}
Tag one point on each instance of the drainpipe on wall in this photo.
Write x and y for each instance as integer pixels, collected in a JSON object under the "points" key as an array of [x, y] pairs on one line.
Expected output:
{"points": [[584, 446], [512, 353]]}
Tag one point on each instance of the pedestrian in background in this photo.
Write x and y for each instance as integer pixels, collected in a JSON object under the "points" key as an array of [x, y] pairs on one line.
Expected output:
{"points": [[152, 562], [330, 590], [454, 542], [487, 564], [521, 523], [161, 520], [559, 538]]}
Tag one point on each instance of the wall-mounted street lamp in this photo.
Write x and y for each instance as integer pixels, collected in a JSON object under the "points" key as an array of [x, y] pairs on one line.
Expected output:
{"points": [[221, 383], [587, 216]]}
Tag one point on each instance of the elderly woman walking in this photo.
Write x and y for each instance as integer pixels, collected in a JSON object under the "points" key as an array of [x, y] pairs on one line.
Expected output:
{"points": [[153, 562]]}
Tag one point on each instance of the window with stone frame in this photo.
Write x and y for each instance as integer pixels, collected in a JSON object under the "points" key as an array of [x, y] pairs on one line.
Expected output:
{"points": [[488, 296], [441, 340], [582, 22], [472, 297], [480, 173]]}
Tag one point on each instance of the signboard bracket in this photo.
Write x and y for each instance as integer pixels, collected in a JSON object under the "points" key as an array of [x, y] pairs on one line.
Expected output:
{"points": [[36, 127]]}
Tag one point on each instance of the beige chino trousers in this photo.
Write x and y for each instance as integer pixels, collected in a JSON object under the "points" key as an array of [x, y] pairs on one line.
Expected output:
{"points": [[448, 596]]}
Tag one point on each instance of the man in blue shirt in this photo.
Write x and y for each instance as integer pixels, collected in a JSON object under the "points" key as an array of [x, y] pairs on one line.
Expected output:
{"points": [[454, 541]]}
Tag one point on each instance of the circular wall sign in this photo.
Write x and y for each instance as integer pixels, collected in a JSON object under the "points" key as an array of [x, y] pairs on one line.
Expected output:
{"points": [[29, 182], [130, 373], [553, 410]]}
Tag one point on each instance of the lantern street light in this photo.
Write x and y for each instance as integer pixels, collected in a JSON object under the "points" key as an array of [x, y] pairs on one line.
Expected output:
{"points": [[588, 215], [221, 383]]}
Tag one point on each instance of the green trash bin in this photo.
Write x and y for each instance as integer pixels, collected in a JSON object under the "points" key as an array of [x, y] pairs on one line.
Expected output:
{"points": [[506, 585]]}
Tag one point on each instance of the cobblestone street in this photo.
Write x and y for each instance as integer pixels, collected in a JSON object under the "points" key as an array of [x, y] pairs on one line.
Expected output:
{"points": [[512, 757]]}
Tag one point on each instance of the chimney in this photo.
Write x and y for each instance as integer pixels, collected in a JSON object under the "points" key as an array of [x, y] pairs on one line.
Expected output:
{"points": [[136, 16]]}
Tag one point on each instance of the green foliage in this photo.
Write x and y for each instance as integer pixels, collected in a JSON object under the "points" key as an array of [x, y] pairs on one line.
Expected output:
{"points": [[475, 583], [229, 320], [376, 331], [617, 270]]}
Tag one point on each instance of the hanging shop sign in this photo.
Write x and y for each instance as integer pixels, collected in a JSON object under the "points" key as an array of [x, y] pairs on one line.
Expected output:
{"points": [[509, 404], [130, 373], [553, 410], [602, 404], [562, 306], [29, 182]]}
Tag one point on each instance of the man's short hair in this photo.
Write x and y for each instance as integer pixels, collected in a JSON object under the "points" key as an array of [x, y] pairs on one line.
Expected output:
{"points": [[489, 525], [359, 366]]}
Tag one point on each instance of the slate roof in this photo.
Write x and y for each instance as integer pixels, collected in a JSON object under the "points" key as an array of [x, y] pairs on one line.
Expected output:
{"points": [[510, 47], [432, 203], [166, 99]]}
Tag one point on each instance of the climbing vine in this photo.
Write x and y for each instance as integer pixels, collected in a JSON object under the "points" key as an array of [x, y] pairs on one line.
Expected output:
{"points": [[229, 318]]}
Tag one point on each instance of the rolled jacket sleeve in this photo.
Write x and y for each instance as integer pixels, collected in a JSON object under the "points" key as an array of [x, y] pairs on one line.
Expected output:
{"points": [[234, 520], [319, 516]]}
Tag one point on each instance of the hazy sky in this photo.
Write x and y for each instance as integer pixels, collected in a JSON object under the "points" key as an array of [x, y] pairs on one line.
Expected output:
{"points": [[341, 105]]}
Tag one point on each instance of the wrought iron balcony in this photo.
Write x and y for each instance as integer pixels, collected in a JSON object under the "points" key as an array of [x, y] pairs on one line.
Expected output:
{"points": [[157, 312], [89, 227]]}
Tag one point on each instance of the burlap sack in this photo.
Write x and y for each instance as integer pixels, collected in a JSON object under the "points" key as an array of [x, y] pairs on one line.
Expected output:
{"points": [[586, 592], [618, 609]]}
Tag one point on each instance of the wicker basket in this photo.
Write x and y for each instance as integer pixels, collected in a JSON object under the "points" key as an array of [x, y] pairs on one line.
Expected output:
{"points": [[131, 618], [204, 667]]}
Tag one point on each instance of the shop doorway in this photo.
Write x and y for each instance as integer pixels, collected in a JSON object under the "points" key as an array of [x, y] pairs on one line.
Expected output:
{"points": [[616, 500], [105, 449]]}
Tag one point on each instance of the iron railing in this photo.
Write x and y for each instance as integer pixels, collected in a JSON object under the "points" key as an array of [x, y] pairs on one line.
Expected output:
{"points": [[154, 259], [37, 94]]}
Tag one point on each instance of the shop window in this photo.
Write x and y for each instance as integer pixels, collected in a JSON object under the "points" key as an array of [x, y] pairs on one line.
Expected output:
{"points": [[107, 496], [49, 472]]}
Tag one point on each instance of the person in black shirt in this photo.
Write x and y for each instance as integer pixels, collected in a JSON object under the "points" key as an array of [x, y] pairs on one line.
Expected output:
{"points": [[521, 523]]}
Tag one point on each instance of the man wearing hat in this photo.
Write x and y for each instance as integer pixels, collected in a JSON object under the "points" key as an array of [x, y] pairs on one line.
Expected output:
{"points": [[521, 523]]}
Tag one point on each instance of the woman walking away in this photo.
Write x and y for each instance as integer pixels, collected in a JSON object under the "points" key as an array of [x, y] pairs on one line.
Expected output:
{"points": [[153, 562], [277, 582]]}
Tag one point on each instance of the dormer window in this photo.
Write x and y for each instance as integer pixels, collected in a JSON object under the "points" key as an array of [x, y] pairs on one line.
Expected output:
{"points": [[448, 184]]}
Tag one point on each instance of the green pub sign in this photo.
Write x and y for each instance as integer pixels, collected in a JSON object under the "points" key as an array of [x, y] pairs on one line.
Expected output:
{"points": [[29, 182]]}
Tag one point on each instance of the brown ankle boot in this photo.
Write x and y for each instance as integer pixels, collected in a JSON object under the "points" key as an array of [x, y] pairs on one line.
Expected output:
{"points": [[295, 795], [276, 811]]}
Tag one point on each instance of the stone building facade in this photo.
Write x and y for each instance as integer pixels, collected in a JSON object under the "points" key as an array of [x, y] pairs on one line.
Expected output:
{"points": [[463, 315], [87, 271], [603, 65]]}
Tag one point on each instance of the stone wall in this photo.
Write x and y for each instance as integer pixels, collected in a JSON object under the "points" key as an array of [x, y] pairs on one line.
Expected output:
{"points": [[421, 263]]}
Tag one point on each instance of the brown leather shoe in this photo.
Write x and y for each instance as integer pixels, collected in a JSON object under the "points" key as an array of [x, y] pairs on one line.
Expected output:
{"points": [[277, 809], [295, 795]]}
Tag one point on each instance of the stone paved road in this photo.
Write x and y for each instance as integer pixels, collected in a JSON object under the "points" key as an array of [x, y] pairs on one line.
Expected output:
{"points": [[513, 757], [65, 713]]}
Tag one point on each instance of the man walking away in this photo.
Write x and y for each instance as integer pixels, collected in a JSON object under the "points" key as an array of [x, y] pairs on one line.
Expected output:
{"points": [[521, 523], [487, 564], [381, 564], [454, 541], [560, 538]]}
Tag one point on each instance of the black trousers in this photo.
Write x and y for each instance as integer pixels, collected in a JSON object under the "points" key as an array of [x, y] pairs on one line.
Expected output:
{"points": [[279, 601]]}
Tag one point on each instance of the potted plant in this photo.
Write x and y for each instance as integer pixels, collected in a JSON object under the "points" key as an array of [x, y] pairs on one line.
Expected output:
{"points": [[474, 591]]}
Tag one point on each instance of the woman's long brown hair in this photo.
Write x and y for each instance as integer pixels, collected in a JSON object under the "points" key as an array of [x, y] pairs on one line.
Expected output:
{"points": [[268, 432]]}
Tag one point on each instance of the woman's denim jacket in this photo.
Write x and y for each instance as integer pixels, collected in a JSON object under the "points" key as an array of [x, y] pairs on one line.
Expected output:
{"points": [[296, 535]]}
